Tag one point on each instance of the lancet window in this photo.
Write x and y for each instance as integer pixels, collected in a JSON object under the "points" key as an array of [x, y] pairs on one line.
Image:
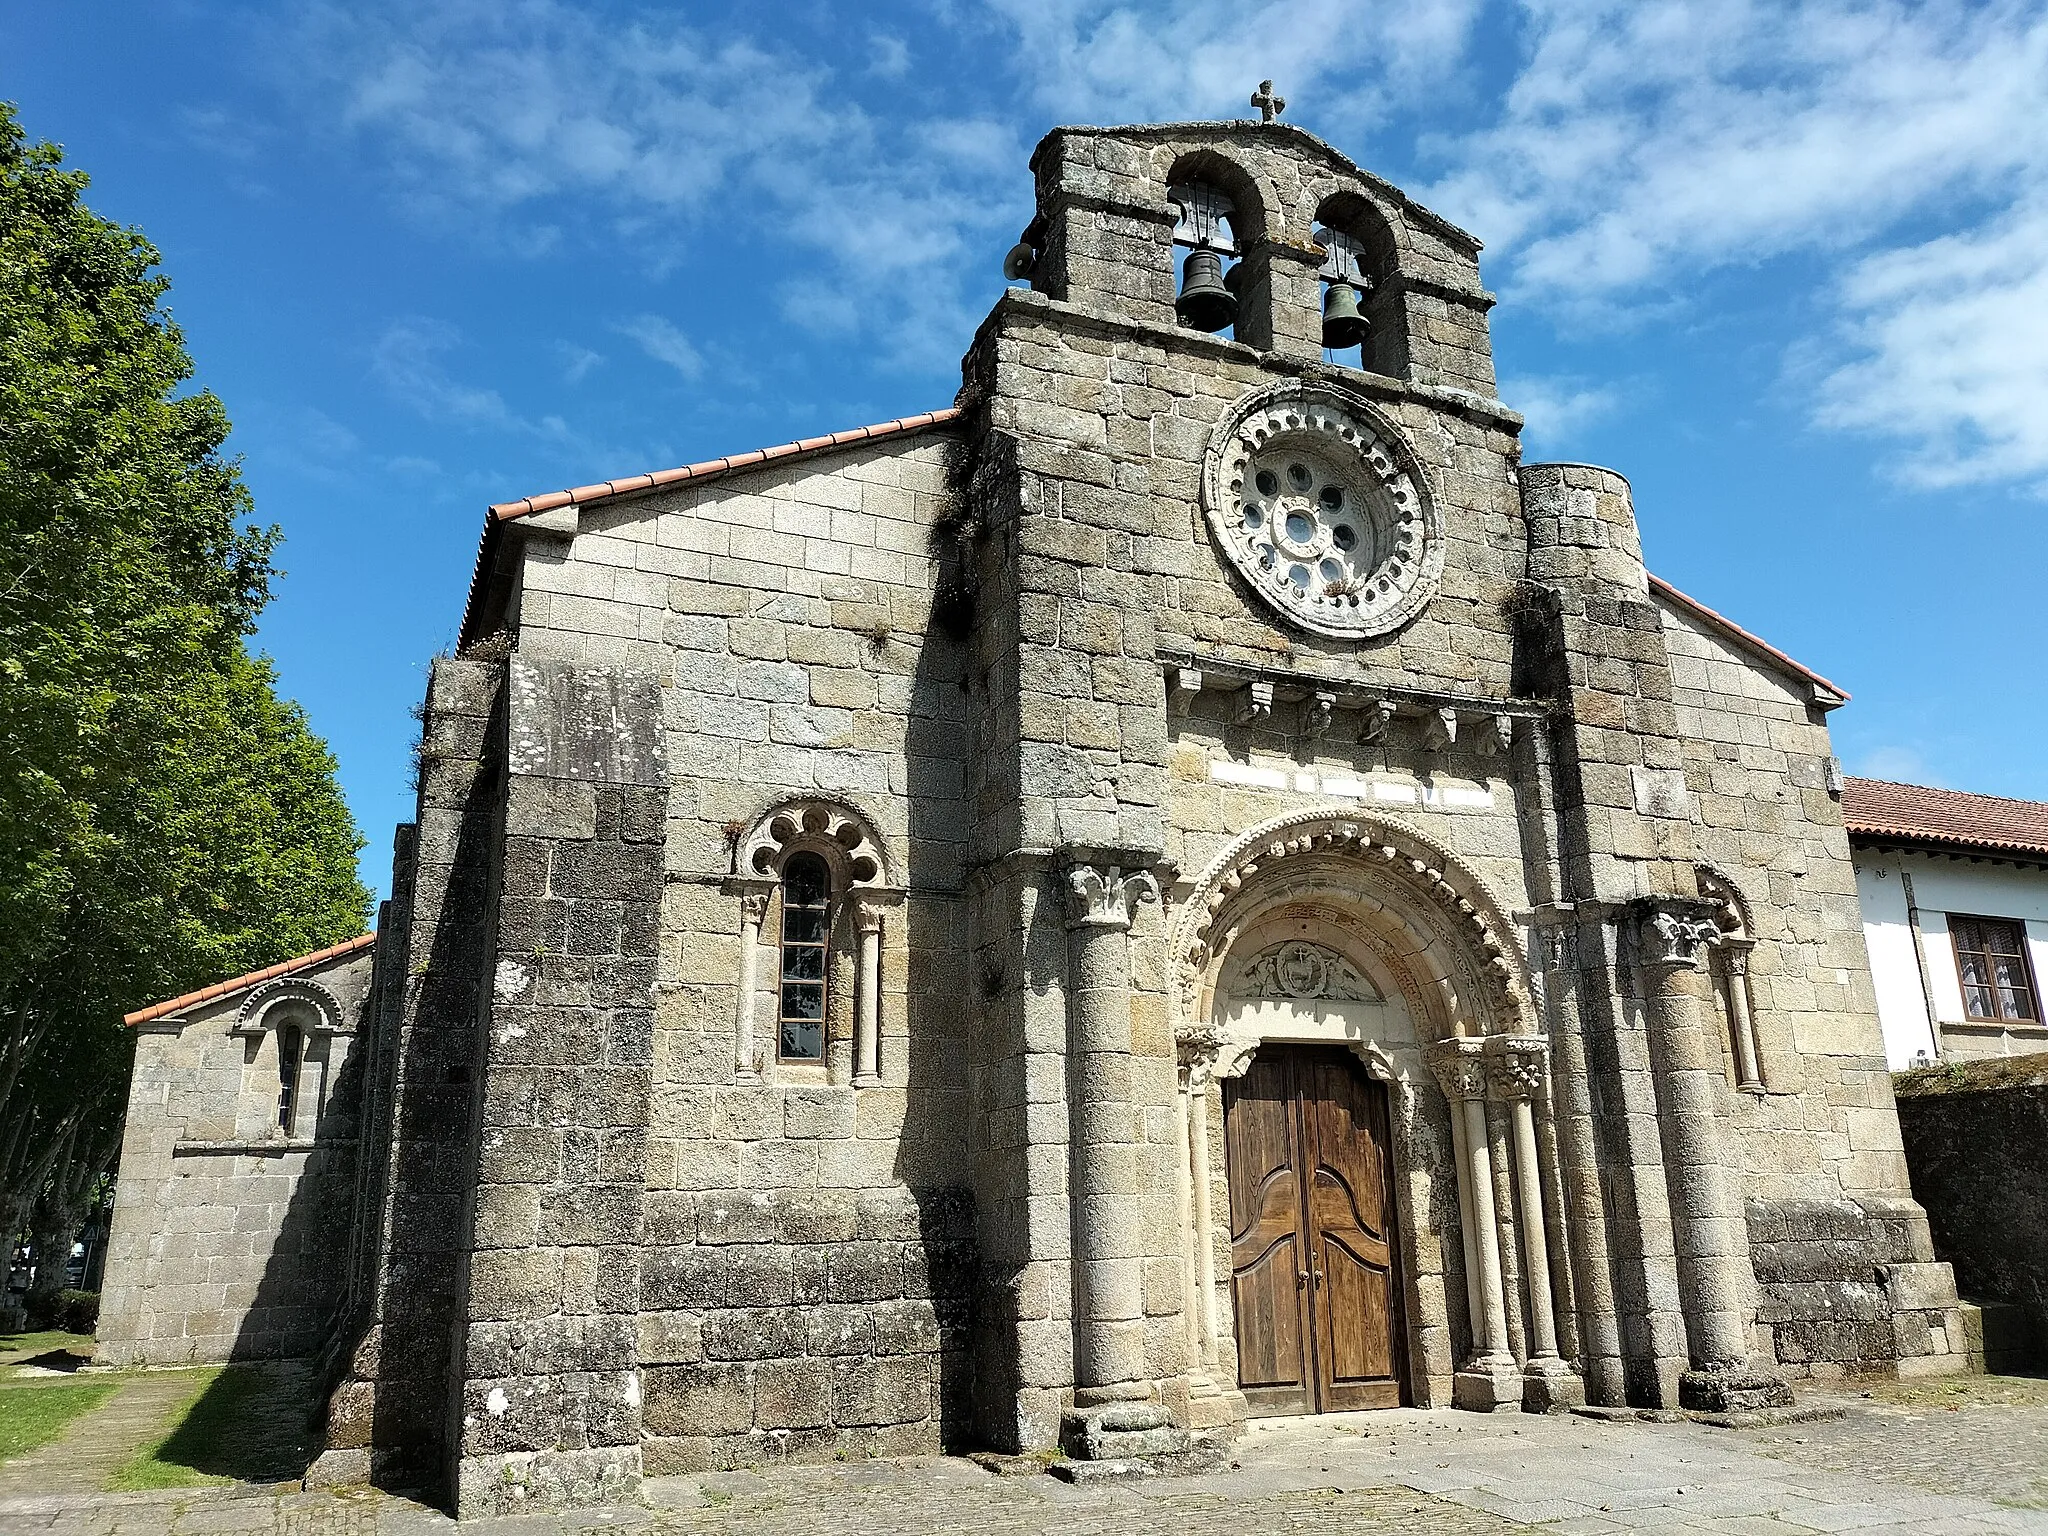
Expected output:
{"points": [[806, 927], [291, 1052]]}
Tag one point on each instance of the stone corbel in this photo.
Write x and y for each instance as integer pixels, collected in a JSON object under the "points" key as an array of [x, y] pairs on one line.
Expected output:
{"points": [[1321, 705], [1106, 896], [1256, 705], [1442, 727], [1182, 684], [1498, 735], [1379, 718]]}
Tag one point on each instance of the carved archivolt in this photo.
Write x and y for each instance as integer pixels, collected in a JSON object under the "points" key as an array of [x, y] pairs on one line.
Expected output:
{"points": [[828, 827], [1731, 910], [266, 1005], [1435, 895]]}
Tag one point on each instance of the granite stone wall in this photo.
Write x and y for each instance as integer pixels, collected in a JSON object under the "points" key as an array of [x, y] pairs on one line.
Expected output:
{"points": [[230, 1237], [1973, 1137]]}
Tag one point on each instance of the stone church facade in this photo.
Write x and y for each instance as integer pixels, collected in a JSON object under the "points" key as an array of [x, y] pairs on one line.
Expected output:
{"points": [[1190, 884]]}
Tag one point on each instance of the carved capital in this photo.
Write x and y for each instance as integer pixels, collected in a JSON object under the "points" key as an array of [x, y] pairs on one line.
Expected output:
{"points": [[1106, 896], [1195, 1047], [753, 908], [1459, 1068], [1516, 1065], [1735, 954], [867, 917], [1675, 930]]}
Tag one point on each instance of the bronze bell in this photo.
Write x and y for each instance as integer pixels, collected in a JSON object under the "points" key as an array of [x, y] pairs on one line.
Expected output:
{"points": [[1206, 302], [1343, 325]]}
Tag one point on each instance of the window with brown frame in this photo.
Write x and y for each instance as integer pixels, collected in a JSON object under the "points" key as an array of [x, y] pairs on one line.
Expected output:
{"points": [[1998, 983], [806, 926]]}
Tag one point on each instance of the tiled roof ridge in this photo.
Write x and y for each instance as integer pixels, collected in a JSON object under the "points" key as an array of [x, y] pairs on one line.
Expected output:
{"points": [[583, 495], [1742, 636], [1957, 817], [241, 983]]}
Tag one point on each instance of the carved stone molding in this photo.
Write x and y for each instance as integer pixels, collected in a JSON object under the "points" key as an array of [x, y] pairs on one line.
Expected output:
{"points": [[827, 827], [252, 1018], [1106, 896]]}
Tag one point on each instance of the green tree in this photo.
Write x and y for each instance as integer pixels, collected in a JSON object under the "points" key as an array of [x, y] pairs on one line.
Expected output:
{"points": [[165, 820]]}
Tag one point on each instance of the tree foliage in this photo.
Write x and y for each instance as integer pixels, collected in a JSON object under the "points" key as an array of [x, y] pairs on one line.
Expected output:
{"points": [[165, 819]]}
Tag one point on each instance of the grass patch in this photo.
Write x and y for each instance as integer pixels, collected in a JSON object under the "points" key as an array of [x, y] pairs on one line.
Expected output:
{"points": [[42, 1343], [35, 1415], [242, 1423]]}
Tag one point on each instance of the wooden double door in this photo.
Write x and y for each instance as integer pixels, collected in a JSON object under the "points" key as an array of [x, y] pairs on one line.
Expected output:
{"points": [[1313, 1274]]}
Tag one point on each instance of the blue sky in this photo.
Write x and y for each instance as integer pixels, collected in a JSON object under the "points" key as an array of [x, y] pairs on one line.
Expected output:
{"points": [[1785, 266]]}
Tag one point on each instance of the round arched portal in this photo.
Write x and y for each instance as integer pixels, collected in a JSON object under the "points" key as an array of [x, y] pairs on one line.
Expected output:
{"points": [[1352, 1029]]}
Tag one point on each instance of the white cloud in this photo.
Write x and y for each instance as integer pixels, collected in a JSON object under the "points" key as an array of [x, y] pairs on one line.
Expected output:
{"points": [[888, 57], [407, 360], [660, 340], [1644, 145], [641, 130], [1557, 407], [577, 361], [1953, 343], [1104, 61]]}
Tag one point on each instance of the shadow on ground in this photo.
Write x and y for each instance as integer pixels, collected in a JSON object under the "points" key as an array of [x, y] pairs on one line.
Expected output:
{"points": [[253, 1423]]}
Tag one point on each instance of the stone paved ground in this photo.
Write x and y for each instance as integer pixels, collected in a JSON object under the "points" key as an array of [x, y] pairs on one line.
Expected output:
{"points": [[1929, 1465]]}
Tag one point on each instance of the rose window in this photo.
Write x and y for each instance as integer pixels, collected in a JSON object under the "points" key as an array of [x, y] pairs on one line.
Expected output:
{"points": [[1316, 507]]}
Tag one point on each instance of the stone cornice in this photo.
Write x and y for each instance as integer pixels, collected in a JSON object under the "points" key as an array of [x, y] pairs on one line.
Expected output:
{"points": [[1025, 307]]}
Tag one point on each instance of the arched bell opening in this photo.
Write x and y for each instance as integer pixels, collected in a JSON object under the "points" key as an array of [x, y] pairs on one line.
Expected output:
{"points": [[1364, 324], [1219, 219]]}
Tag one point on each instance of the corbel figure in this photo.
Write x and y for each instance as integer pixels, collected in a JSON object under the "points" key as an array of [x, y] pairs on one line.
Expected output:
{"points": [[1256, 705], [1379, 718], [1321, 706], [1182, 684]]}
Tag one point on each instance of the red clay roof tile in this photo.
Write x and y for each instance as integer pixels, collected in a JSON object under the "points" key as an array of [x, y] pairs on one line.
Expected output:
{"points": [[1876, 808], [223, 988]]}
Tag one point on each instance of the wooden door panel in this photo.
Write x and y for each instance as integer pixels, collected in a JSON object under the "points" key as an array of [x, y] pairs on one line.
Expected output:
{"points": [[1356, 1304], [1267, 1251], [1305, 1134]]}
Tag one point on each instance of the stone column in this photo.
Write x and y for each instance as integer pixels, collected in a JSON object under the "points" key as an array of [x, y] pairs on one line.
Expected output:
{"points": [[867, 1021], [1488, 1381], [1735, 968], [1109, 1311], [1708, 1230], [753, 911], [1517, 1066]]}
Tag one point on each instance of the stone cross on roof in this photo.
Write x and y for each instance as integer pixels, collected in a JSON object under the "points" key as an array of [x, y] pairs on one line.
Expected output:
{"points": [[1269, 105]]}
